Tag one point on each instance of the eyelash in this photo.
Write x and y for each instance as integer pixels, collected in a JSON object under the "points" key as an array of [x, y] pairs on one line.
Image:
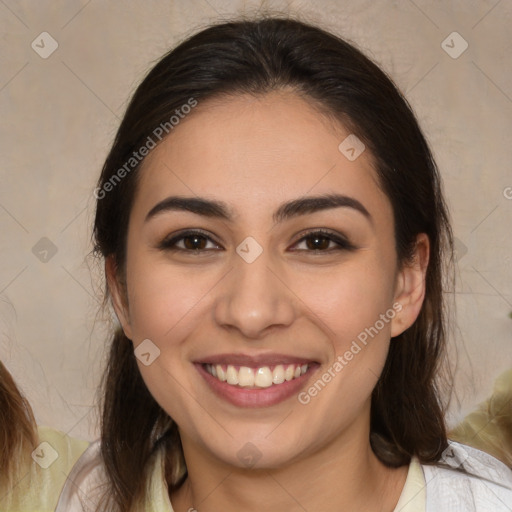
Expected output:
{"points": [[169, 244]]}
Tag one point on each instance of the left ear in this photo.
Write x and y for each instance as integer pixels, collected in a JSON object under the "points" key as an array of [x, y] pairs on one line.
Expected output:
{"points": [[410, 287]]}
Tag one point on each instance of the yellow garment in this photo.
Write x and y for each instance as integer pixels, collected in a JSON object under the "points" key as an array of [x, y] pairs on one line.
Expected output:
{"points": [[43, 474], [40, 487], [414, 495]]}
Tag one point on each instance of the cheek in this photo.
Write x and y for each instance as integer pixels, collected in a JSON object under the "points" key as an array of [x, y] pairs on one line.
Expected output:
{"points": [[163, 298], [350, 300], [356, 305], [166, 305]]}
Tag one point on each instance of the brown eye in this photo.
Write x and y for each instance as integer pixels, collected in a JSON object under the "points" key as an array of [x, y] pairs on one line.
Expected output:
{"points": [[324, 241], [317, 242], [190, 241], [194, 242]]}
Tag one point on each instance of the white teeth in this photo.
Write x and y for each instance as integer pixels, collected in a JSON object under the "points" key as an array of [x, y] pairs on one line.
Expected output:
{"points": [[262, 377], [232, 375], [278, 374], [221, 374], [246, 376]]}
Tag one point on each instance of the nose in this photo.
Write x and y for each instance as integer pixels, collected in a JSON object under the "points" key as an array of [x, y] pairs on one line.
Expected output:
{"points": [[255, 298]]}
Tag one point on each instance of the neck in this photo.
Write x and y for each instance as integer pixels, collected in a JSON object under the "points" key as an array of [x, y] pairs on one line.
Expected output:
{"points": [[344, 474]]}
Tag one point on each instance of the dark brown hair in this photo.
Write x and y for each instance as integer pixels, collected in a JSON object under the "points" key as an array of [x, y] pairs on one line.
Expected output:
{"points": [[255, 57]]}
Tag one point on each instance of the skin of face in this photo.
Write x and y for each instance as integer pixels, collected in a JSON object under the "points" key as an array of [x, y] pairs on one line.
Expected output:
{"points": [[255, 153]]}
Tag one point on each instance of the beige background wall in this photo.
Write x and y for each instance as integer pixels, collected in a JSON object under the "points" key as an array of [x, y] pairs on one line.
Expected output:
{"points": [[59, 114]]}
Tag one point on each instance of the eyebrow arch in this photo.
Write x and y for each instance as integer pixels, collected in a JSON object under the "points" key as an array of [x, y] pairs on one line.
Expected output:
{"points": [[294, 208]]}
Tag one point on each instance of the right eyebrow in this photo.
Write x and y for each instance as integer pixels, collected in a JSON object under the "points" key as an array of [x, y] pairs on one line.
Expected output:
{"points": [[198, 205]]}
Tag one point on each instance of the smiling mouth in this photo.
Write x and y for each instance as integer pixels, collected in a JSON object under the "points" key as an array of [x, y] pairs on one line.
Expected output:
{"points": [[260, 377]]}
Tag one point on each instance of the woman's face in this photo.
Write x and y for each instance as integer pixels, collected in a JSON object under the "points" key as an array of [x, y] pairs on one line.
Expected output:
{"points": [[255, 294]]}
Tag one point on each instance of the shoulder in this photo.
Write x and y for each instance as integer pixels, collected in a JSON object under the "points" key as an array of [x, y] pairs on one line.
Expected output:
{"points": [[43, 473], [468, 480], [54, 444], [86, 485], [83, 486]]}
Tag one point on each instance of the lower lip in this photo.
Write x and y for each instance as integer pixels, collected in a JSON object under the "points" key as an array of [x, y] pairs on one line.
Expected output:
{"points": [[261, 397]]}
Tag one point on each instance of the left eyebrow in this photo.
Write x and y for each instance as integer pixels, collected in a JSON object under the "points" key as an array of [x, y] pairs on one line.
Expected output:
{"points": [[294, 208], [312, 204]]}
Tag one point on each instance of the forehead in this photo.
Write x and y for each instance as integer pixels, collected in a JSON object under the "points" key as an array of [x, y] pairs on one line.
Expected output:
{"points": [[251, 151]]}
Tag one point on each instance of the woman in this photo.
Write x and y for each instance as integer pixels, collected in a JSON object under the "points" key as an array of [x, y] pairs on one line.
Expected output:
{"points": [[34, 461], [274, 235]]}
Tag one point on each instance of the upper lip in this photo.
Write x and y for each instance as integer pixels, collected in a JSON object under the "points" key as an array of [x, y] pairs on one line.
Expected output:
{"points": [[253, 361]]}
